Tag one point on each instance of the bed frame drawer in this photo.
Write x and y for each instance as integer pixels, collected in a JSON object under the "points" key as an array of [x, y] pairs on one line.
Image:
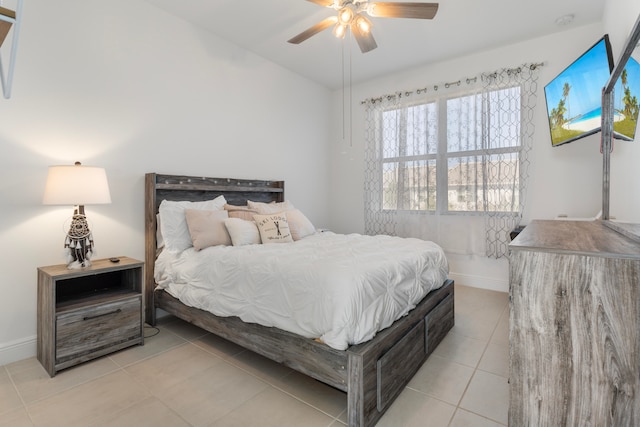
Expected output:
{"points": [[438, 322], [410, 349], [91, 331], [401, 360]]}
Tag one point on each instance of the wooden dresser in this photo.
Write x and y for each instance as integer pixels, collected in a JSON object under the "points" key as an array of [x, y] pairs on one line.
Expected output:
{"points": [[574, 326]]}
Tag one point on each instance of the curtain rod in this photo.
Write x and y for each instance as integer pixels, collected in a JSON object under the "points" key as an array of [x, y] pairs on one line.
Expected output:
{"points": [[447, 85]]}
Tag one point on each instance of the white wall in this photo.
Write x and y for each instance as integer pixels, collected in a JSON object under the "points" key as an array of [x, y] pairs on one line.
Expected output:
{"points": [[122, 85], [619, 18], [564, 180]]}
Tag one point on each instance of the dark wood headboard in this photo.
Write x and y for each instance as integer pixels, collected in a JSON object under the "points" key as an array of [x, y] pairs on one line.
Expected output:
{"points": [[191, 188]]}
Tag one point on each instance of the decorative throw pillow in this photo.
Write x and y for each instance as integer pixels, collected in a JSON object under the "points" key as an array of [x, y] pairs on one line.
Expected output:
{"points": [[207, 228], [299, 225], [242, 212], [270, 208], [242, 232], [173, 224], [273, 228]]}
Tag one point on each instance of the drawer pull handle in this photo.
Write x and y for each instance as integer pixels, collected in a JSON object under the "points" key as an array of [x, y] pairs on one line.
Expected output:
{"points": [[102, 315]]}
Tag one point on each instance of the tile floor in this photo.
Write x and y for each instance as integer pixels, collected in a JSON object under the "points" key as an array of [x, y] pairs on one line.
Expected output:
{"points": [[186, 377]]}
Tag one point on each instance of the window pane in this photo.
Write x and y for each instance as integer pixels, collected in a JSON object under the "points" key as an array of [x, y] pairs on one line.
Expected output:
{"points": [[503, 192], [409, 185], [464, 119], [464, 191], [489, 186], [410, 131], [500, 119], [390, 186], [422, 130]]}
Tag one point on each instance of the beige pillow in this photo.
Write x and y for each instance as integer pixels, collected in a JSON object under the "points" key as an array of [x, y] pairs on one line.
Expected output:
{"points": [[270, 208], [242, 232], [242, 212], [299, 225], [207, 228], [273, 228]]}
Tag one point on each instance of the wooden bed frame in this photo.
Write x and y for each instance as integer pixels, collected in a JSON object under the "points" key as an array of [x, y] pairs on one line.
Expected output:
{"points": [[372, 374]]}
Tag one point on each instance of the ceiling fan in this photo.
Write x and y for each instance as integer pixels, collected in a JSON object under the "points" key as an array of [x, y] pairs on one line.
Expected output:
{"points": [[351, 15]]}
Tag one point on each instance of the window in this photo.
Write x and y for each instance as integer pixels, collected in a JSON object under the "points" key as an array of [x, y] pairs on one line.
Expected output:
{"points": [[454, 154], [463, 156]]}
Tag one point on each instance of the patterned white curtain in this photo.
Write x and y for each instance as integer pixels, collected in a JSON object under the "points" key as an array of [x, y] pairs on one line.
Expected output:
{"points": [[449, 162]]}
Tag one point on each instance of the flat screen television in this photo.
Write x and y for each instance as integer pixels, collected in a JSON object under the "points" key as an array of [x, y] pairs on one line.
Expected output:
{"points": [[574, 97], [625, 102]]}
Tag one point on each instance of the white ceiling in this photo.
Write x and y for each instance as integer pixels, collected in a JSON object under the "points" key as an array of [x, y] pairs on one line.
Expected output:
{"points": [[460, 27]]}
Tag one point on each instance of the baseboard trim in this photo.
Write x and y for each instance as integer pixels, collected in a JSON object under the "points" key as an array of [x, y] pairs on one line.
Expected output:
{"points": [[490, 283], [17, 350]]}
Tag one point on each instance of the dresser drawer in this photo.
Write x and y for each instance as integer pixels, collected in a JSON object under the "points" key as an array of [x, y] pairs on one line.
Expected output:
{"points": [[85, 332]]}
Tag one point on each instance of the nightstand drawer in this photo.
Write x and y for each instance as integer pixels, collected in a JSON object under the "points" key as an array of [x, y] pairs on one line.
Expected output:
{"points": [[82, 332]]}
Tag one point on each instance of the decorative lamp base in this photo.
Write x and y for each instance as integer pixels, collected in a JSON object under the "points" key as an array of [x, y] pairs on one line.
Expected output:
{"points": [[79, 241]]}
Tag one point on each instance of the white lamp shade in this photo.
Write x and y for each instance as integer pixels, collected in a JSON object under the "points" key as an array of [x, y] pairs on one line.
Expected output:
{"points": [[76, 185]]}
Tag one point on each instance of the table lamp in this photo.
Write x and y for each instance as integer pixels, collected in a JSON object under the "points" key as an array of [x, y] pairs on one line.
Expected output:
{"points": [[77, 185]]}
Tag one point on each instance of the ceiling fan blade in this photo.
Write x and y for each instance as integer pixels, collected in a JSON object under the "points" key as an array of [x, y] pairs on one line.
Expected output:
{"points": [[403, 10], [365, 39], [320, 26], [325, 3]]}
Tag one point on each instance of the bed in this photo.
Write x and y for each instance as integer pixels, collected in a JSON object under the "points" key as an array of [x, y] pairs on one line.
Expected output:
{"points": [[372, 373]]}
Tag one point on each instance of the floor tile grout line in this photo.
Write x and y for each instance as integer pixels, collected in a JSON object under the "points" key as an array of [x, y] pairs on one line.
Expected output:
{"points": [[302, 400], [205, 349], [231, 359], [117, 367], [38, 401], [127, 365], [186, 342], [178, 320], [299, 399], [222, 359], [71, 387], [477, 368], [477, 415], [151, 393], [488, 342], [15, 388]]}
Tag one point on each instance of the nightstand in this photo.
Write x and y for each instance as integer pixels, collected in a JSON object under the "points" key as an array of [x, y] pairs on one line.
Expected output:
{"points": [[89, 312]]}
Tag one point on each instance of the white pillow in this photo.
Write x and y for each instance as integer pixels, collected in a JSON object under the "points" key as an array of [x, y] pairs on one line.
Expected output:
{"points": [[173, 223], [270, 208], [242, 232], [207, 228], [273, 228], [299, 225]]}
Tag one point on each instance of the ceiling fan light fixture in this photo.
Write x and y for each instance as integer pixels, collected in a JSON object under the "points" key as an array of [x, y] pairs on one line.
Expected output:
{"points": [[363, 24], [345, 15], [340, 30]]}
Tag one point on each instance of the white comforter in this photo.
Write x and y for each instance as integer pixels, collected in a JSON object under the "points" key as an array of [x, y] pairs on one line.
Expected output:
{"points": [[339, 288]]}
